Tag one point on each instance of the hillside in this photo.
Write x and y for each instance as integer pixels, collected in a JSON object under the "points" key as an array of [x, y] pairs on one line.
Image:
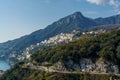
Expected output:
{"points": [[100, 52], [52, 41], [71, 22], [88, 58], [61, 38], [74, 21]]}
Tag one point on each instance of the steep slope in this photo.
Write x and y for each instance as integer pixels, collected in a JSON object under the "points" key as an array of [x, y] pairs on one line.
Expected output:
{"points": [[103, 49], [74, 21], [92, 54], [52, 41]]}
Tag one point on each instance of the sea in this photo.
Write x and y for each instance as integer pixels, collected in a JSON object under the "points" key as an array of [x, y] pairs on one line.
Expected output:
{"points": [[4, 65]]}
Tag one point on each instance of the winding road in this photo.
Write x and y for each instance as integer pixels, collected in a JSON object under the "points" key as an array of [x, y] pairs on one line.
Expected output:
{"points": [[68, 72]]}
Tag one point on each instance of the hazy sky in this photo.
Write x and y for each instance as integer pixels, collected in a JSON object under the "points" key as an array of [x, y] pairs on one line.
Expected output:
{"points": [[20, 17]]}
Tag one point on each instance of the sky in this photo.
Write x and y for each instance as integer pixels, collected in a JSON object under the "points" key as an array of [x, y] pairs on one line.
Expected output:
{"points": [[22, 17]]}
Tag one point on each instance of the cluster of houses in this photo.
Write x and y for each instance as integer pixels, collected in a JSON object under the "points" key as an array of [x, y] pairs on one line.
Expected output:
{"points": [[61, 38], [94, 32]]}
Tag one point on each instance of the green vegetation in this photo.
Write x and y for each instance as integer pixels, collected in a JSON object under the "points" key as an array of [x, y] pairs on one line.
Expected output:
{"points": [[18, 73], [105, 46]]}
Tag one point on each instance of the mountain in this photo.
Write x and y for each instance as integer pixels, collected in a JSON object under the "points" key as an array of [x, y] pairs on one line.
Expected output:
{"points": [[74, 21], [109, 20], [88, 58]]}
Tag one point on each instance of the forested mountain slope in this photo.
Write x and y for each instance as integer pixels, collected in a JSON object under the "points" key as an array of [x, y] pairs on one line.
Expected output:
{"points": [[104, 47]]}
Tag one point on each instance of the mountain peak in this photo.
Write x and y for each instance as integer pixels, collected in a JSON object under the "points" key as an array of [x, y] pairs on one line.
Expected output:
{"points": [[77, 15]]}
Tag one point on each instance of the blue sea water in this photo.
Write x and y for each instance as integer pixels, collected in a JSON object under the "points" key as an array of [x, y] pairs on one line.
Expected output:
{"points": [[4, 65]]}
